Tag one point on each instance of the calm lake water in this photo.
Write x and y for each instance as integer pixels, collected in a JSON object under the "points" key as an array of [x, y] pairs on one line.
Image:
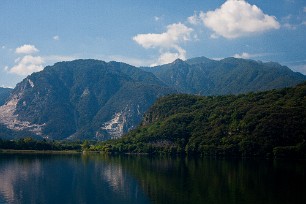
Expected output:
{"points": [[26, 178]]}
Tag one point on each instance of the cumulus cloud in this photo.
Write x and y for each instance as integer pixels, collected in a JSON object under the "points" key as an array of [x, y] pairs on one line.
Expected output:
{"points": [[237, 18], [167, 42], [175, 33], [56, 37], [26, 49], [27, 65]]}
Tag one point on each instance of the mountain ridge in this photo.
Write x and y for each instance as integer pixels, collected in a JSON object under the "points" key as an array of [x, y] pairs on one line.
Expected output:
{"points": [[93, 99], [81, 99], [231, 75]]}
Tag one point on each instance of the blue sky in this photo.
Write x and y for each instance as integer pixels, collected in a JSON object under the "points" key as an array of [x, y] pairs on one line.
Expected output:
{"points": [[144, 33]]}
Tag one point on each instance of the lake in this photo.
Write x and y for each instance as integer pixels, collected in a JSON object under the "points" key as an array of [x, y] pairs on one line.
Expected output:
{"points": [[95, 178]]}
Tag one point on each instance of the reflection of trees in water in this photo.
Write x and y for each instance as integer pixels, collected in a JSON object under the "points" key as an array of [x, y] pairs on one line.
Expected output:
{"points": [[117, 179], [178, 180]]}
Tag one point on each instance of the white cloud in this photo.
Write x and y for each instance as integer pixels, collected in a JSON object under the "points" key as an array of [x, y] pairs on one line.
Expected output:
{"points": [[168, 57], [27, 65], [243, 55], [304, 9], [166, 42], [26, 49], [289, 26], [246, 55], [56, 37], [237, 18], [194, 20], [3, 47], [175, 33], [286, 23]]}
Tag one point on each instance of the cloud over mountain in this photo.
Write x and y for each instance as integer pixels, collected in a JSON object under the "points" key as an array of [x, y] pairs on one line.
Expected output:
{"points": [[168, 42], [27, 65]]}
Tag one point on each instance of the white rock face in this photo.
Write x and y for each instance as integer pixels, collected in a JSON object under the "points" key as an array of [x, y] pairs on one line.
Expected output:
{"points": [[114, 127], [31, 83], [9, 119], [85, 93]]}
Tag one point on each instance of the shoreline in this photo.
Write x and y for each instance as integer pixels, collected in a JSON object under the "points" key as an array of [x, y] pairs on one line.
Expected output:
{"points": [[13, 151]]}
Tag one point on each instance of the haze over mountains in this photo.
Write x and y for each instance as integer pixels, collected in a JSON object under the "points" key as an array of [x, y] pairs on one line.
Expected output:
{"points": [[91, 99]]}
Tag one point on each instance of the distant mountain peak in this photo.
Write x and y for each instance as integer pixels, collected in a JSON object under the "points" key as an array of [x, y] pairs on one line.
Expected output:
{"points": [[230, 75], [177, 61], [92, 99], [82, 99], [199, 60]]}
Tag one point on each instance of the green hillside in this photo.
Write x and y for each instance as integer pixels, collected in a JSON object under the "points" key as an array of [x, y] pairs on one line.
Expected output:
{"points": [[254, 124]]}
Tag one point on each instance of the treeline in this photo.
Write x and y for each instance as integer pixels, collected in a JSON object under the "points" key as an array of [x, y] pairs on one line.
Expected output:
{"points": [[32, 144], [271, 123]]}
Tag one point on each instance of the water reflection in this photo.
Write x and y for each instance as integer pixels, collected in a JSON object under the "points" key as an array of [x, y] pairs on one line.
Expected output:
{"points": [[141, 179], [168, 180], [65, 179]]}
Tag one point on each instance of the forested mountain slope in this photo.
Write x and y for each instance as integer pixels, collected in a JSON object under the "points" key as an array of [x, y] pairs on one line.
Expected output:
{"points": [[265, 123], [204, 76], [82, 99]]}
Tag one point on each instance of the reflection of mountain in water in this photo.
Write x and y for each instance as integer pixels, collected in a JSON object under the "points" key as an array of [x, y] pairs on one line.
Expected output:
{"points": [[9, 178], [66, 179], [128, 179]]}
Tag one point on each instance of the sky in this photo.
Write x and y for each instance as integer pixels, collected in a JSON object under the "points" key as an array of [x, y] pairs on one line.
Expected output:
{"points": [[36, 33]]}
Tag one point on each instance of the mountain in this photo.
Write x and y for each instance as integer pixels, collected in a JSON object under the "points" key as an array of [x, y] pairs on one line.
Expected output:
{"points": [[92, 99], [4, 94], [254, 124], [204, 76], [82, 99]]}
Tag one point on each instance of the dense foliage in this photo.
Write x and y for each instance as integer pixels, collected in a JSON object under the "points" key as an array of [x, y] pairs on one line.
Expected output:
{"points": [[29, 143], [228, 76], [254, 124]]}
